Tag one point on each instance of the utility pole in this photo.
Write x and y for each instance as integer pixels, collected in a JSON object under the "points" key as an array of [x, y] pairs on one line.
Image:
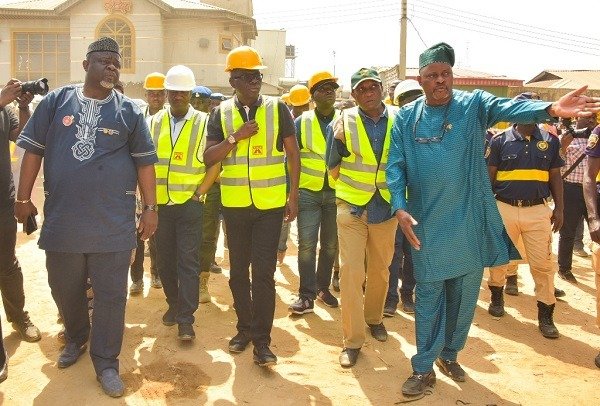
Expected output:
{"points": [[402, 61]]}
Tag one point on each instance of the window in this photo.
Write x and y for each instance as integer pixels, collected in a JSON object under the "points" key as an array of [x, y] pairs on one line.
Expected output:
{"points": [[121, 31], [42, 54], [226, 44]]}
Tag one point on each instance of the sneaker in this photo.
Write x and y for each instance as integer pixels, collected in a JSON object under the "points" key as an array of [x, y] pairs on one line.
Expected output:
{"points": [[348, 357], [239, 343], [302, 306], [155, 282], [327, 298], [451, 369], [389, 309], [335, 281], [111, 383], [581, 252], [263, 356], [168, 319], [28, 331], [214, 268], [567, 275], [136, 287], [378, 332], [417, 383], [408, 304], [186, 332]]}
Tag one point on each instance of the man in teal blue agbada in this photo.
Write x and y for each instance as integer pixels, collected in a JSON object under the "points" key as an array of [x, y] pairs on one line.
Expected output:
{"points": [[450, 217]]}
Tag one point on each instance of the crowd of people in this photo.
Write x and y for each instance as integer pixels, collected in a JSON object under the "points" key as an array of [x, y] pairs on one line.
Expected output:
{"points": [[382, 192]]}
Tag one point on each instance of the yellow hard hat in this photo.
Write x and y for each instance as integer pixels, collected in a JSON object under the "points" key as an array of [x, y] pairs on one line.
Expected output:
{"points": [[243, 57], [299, 95], [154, 81], [320, 77], [286, 98]]}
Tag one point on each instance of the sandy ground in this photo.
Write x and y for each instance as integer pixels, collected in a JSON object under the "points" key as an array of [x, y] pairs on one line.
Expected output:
{"points": [[507, 360]]}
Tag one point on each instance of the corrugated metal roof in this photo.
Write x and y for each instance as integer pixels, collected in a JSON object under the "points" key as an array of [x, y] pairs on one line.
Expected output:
{"points": [[566, 79]]}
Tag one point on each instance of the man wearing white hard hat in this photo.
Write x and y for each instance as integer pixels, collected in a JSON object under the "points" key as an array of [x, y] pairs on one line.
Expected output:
{"points": [[181, 184]]}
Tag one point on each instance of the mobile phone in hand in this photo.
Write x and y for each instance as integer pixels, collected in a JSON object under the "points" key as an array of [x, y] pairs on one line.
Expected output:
{"points": [[30, 225]]}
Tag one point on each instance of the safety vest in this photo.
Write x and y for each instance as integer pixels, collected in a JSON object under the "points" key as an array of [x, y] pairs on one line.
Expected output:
{"points": [[254, 171], [178, 171], [312, 155], [360, 175]]}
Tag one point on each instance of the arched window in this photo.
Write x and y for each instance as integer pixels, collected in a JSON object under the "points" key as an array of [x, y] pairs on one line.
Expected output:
{"points": [[121, 30]]}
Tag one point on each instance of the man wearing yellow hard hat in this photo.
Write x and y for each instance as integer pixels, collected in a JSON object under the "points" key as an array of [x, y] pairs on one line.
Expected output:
{"points": [[316, 204], [156, 95], [249, 134]]}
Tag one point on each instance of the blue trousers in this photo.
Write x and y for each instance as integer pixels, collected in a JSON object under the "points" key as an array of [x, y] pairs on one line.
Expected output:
{"points": [[67, 277], [401, 268], [178, 240], [317, 214], [444, 312]]}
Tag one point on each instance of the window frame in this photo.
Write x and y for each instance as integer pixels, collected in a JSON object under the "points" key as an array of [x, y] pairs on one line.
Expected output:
{"points": [[102, 23]]}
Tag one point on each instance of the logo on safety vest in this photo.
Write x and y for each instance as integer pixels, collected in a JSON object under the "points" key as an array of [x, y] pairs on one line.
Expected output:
{"points": [[592, 141], [542, 145], [67, 120], [257, 150], [488, 150], [178, 156]]}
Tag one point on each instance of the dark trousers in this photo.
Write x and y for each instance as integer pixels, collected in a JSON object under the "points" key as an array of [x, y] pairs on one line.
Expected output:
{"points": [[11, 277], [210, 227], [401, 268], [2, 350], [574, 210], [178, 239], [137, 267], [317, 213], [67, 277], [252, 239]]}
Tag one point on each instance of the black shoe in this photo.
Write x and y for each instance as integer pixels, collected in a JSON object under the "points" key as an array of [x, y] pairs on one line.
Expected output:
{"points": [[408, 304], [186, 332], [335, 281], [378, 331], [417, 383], [302, 306], [327, 298], [547, 327], [511, 287], [214, 268], [452, 369], [238, 343], [567, 275], [70, 354], [4, 370], [263, 356], [348, 357], [111, 383], [168, 319], [559, 292], [389, 309], [496, 308], [28, 331], [596, 361]]}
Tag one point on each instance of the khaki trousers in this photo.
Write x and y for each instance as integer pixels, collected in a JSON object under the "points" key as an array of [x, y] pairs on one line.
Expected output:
{"points": [[596, 267], [532, 225], [365, 250]]}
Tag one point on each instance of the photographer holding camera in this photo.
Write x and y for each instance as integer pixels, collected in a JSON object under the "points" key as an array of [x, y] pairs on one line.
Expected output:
{"points": [[573, 142], [11, 277]]}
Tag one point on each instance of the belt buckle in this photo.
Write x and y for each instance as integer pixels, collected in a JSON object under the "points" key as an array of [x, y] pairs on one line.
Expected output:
{"points": [[519, 203]]}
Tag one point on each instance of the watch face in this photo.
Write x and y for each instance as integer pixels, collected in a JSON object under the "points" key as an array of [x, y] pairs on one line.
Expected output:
{"points": [[231, 139]]}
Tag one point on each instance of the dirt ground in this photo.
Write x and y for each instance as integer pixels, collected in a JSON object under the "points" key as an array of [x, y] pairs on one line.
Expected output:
{"points": [[507, 361]]}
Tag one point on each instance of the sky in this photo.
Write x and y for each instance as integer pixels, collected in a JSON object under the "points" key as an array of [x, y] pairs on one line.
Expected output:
{"points": [[513, 38]]}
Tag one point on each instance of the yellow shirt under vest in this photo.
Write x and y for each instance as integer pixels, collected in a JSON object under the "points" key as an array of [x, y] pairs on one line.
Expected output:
{"points": [[254, 171], [180, 169]]}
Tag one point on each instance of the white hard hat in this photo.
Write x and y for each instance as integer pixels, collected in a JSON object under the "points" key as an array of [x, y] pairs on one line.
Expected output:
{"points": [[180, 78], [406, 86]]}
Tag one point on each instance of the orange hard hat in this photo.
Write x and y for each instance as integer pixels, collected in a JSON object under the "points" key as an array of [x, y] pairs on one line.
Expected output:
{"points": [[299, 95], [320, 77], [154, 81], [286, 98], [243, 57]]}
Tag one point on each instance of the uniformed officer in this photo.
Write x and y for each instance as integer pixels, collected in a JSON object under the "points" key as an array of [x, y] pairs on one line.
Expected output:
{"points": [[524, 167]]}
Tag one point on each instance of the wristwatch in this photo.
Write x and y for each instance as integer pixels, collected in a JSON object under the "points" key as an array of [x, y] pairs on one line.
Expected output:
{"points": [[231, 139], [151, 207]]}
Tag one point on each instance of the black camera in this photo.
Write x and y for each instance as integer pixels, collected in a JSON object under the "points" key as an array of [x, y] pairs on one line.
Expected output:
{"points": [[39, 86]]}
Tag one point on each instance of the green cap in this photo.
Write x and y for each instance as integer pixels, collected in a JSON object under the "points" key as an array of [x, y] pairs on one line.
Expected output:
{"points": [[362, 75], [441, 52]]}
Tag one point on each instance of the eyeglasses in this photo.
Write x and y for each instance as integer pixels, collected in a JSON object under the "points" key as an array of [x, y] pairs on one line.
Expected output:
{"points": [[435, 139], [249, 77], [325, 88]]}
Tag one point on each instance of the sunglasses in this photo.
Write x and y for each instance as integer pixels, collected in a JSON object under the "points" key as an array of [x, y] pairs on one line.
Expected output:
{"points": [[249, 77]]}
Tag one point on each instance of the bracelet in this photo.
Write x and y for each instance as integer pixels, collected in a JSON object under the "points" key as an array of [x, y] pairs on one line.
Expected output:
{"points": [[151, 207], [23, 201]]}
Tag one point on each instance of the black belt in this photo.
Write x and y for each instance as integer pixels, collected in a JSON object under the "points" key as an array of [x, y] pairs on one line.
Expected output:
{"points": [[522, 203]]}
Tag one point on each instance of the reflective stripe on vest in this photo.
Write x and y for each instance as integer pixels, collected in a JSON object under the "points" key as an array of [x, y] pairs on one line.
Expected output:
{"points": [[312, 155], [178, 171], [254, 171], [360, 175]]}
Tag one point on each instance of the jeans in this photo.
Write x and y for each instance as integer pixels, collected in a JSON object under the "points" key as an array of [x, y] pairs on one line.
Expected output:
{"points": [[284, 234], [401, 269], [210, 227], [11, 276], [178, 239], [253, 242], [316, 212], [574, 210]]}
